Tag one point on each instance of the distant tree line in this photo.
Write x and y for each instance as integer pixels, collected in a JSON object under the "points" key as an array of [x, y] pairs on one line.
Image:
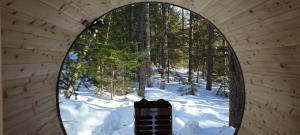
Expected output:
{"points": [[116, 52]]}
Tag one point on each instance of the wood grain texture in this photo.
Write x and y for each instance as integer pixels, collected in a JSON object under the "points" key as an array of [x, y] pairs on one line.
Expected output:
{"points": [[1, 88], [36, 34]]}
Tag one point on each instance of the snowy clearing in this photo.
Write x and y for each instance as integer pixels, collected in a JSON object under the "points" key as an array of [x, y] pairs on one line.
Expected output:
{"points": [[90, 114], [204, 114]]}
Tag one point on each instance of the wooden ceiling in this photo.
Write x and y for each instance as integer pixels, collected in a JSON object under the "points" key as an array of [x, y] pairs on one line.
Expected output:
{"points": [[36, 34]]}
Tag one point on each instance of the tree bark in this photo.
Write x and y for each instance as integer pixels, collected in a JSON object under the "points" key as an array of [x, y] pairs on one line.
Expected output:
{"points": [[197, 80], [165, 45], [102, 83], [123, 82], [197, 51], [141, 36], [148, 45], [182, 19], [190, 65], [168, 70], [112, 85], [129, 22], [210, 57], [107, 29]]}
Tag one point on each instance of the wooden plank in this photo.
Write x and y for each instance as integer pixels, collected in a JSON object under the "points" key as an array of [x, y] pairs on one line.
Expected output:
{"points": [[280, 39], [90, 7], [277, 24], [19, 40], [219, 7], [98, 8], [205, 10], [30, 56], [271, 94], [18, 21], [196, 6], [69, 8], [288, 106], [1, 89], [232, 9], [31, 125], [266, 110], [283, 85], [49, 128], [49, 14], [264, 113], [10, 93], [263, 11], [270, 74], [34, 109], [271, 104], [245, 131], [54, 127], [31, 111], [11, 72], [256, 127], [31, 96], [290, 68], [285, 54], [21, 82]]}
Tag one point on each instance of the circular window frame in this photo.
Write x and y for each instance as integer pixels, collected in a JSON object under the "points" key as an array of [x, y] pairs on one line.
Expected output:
{"points": [[90, 24]]}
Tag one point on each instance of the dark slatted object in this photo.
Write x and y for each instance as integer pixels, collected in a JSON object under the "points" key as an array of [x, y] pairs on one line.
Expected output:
{"points": [[153, 117]]}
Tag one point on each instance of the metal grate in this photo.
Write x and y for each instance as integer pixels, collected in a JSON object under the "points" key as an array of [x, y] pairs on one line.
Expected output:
{"points": [[153, 117]]}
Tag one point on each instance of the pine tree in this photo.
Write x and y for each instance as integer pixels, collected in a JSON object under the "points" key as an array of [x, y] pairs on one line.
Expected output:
{"points": [[119, 48], [210, 57], [141, 48], [164, 57], [190, 64]]}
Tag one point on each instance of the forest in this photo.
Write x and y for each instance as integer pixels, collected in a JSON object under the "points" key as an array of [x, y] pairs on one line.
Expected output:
{"points": [[117, 51], [152, 51]]}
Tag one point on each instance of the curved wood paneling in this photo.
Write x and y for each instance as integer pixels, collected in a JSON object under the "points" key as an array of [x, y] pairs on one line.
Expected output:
{"points": [[36, 34]]}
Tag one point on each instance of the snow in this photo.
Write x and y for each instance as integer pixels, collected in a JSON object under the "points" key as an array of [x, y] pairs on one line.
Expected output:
{"points": [[90, 114]]}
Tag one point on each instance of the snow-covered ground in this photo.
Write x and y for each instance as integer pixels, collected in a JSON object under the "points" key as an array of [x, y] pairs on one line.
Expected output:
{"points": [[203, 114]]}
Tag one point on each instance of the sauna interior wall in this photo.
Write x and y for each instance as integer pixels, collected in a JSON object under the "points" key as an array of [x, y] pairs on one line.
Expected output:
{"points": [[36, 35]]}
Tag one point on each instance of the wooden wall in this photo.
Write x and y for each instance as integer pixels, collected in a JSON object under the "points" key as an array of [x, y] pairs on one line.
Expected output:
{"points": [[264, 33], [1, 100]]}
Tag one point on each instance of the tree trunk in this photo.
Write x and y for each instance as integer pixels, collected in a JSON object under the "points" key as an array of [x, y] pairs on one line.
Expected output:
{"points": [[165, 45], [123, 82], [123, 87], [203, 70], [148, 45], [197, 80], [168, 70], [225, 58], [84, 83], [182, 19], [141, 36], [112, 85], [197, 51], [129, 22], [107, 29], [210, 57], [157, 50], [190, 64], [102, 74]]}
